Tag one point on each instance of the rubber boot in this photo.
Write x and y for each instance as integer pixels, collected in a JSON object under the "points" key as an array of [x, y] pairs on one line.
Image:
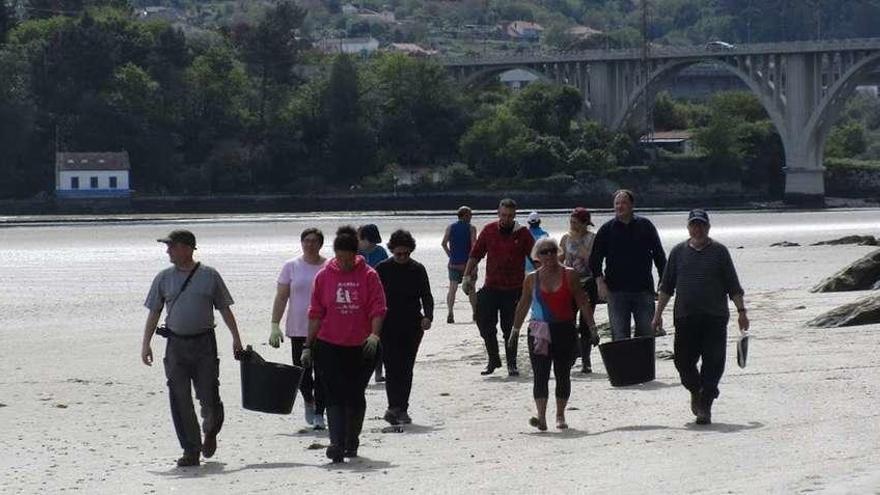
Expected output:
{"points": [[336, 422], [510, 357], [354, 424], [586, 349], [704, 414], [494, 357]]}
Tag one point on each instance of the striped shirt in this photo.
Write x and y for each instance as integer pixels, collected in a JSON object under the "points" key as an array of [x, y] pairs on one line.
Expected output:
{"points": [[703, 278]]}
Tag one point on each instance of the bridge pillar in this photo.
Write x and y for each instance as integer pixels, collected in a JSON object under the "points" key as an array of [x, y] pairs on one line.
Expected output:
{"points": [[601, 93], [804, 174]]}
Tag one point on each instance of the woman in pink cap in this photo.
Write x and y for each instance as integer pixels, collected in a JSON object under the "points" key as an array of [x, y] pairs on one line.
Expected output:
{"points": [[575, 249]]}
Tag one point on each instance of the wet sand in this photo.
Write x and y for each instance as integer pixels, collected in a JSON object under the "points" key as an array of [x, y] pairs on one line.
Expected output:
{"points": [[81, 413]]}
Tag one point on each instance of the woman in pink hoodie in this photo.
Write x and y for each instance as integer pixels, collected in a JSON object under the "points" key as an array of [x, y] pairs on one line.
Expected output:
{"points": [[345, 320]]}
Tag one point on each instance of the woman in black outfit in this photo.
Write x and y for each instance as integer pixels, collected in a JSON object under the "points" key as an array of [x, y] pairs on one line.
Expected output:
{"points": [[410, 312]]}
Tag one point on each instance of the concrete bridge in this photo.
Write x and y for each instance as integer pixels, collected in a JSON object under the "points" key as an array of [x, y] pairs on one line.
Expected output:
{"points": [[802, 85]]}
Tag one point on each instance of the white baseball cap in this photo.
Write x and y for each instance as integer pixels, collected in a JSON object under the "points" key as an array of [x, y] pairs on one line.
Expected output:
{"points": [[534, 217]]}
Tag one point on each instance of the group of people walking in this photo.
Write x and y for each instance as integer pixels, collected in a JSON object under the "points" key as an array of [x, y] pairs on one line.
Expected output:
{"points": [[362, 309]]}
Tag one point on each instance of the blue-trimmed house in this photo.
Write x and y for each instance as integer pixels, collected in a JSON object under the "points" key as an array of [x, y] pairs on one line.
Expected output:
{"points": [[92, 175]]}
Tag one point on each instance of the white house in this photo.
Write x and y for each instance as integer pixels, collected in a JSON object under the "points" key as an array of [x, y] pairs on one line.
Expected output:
{"points": [[92, 175], [361, 46], [517, 79]]}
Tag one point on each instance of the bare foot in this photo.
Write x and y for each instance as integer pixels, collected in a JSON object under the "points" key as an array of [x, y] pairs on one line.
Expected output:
{"points": [[540, 424], [561, 424]]}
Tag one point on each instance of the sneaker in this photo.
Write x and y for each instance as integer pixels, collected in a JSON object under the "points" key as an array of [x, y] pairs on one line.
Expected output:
{"points": [[188, 459], [391, 416], [403, 418], [450, 318], [319, 422], [310, 412]]}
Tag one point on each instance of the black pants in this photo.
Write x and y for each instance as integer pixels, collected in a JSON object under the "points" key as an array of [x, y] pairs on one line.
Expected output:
{"points": [[563, 342], [696, 337], [192, 363], [400, 344], [493, 304], [310, 386], [344, 373]]}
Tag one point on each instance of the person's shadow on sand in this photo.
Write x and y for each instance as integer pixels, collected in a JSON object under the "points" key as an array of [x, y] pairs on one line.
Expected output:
{"points": [[213, 468], [358, 464]]}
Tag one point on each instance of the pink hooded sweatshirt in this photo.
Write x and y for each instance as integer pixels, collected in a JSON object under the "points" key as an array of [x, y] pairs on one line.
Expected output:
{"points": [[346, 302]]}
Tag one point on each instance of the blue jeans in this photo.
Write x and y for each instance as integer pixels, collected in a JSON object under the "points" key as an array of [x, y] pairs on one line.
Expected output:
{"points": [[622, 306]]}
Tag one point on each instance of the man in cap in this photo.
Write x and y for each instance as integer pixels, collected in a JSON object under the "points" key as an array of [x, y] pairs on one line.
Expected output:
{"points": [[458, 239], [189, 292], [701, 274], [505, 244], [627, 243], [534, 221]]}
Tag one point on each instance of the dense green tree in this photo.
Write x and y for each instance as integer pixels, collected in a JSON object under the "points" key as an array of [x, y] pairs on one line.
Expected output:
{"points": [[419, 113], [494, 144], [350, 146], [846, 141], [547, 109], [271, 49]]}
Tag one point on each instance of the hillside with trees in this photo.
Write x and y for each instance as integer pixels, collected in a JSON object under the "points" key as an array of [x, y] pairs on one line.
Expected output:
{"points": [[232, 97]]}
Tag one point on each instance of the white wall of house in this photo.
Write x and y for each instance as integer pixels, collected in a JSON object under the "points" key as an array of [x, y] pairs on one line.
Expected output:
{"points": [[359, 47], [85, 180]]}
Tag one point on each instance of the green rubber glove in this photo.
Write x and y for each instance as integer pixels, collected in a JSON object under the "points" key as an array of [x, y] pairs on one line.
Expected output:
{"points": [[275, 337], [371, 345], [306, 358], [468, 285]]}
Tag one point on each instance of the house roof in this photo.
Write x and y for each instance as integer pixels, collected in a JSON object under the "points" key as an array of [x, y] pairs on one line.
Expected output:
{"points": [[668, 136], [411, 48], [92, 161], [520, 26]]}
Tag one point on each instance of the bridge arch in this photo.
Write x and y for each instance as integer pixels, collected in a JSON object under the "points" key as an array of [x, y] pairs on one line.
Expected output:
{"points": [[666, 72]]}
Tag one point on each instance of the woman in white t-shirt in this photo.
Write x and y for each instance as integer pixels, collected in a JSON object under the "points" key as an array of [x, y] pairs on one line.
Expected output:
{"points": [[295, 283]]}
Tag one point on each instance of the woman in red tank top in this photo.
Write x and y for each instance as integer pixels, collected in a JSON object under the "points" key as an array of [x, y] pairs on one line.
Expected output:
{"points": [[552, 292]]}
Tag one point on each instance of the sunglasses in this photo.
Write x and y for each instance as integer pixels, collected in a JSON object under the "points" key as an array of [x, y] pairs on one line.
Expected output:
{"points": [[547, 251]]}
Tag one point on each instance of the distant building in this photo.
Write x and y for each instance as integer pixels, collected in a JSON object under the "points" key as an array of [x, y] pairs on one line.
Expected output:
{"points": [[410, 49], [517, 79], [92, 175], [361, 46], [671, 141], [524, 31], [871, 91], [169, 14], [582, 32]]}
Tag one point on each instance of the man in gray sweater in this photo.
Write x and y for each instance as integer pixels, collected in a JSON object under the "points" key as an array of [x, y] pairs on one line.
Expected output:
{"points": [[702, 272]]}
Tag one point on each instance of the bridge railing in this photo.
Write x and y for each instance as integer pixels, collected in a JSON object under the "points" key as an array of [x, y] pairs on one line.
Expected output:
{"points": [[665, 51]]}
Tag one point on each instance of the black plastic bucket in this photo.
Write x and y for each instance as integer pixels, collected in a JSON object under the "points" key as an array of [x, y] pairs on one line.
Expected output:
{"points": [[629, 361], [268, 387]]}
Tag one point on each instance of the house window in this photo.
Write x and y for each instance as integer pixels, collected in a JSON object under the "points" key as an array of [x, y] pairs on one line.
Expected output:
{"points": [[93, 182], [113, 184], [74, 182]]}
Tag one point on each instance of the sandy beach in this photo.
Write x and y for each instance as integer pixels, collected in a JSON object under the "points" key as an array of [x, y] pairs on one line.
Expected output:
{"points": [[80, 413]]}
